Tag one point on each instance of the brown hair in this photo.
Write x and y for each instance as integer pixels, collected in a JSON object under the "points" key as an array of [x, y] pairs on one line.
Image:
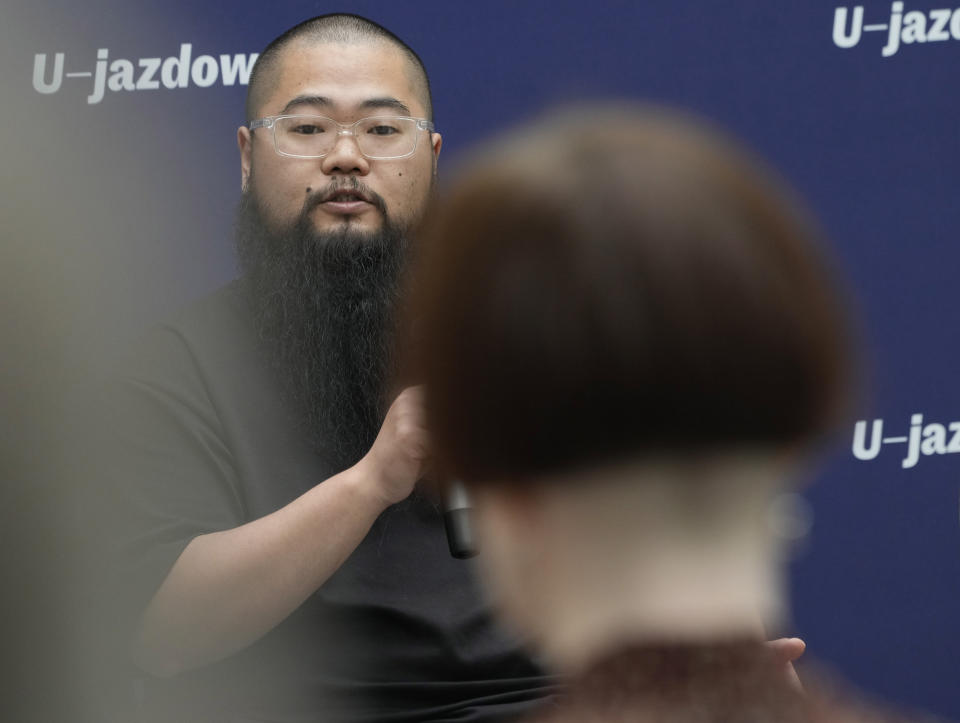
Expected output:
{"points": [[616, 282]]}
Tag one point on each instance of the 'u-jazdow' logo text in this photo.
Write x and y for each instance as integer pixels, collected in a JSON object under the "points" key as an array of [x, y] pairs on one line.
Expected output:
{"points": [[915, 26], [921, 440], [145, 73]]}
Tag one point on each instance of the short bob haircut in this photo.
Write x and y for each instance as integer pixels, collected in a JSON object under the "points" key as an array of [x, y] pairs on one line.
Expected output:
{"points": [[617, 282]]}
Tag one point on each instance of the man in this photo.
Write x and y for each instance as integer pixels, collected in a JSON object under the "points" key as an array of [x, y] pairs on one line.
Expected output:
{"points": [[280, 562], [280, 566]]}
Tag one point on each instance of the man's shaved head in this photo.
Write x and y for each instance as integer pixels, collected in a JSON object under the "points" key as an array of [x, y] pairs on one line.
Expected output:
{"points": [[335, 28]]}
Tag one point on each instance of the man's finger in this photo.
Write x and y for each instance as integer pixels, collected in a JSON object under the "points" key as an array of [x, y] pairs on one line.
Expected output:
{"points": [[787, 650]]}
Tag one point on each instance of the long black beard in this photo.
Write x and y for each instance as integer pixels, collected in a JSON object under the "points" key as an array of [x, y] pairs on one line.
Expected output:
{"points": [[324, 307]]}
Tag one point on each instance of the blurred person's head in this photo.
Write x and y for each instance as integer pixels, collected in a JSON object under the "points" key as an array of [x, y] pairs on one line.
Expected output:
{"points": [[322, 225], [628, 335]]}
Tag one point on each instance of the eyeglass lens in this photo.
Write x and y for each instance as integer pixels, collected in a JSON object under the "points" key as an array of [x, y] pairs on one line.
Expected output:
{"points": [[382, 137]]}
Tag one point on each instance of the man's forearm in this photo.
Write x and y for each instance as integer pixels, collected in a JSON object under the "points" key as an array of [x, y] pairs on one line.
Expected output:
{"points": [[229, 588]]}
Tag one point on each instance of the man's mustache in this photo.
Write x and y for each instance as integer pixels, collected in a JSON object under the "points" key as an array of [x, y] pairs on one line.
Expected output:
{"points": [[320, 195]]}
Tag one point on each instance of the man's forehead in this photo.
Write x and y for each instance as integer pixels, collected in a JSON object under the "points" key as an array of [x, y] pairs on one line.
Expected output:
{"points": [[344, 78]]}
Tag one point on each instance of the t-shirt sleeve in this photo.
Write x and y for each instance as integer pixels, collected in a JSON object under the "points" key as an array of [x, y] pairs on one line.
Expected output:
{"points": [[169, 470]]}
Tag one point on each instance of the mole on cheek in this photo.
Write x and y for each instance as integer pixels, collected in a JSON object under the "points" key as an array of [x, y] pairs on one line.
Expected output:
{"points": [[400, 174], [309, 189]]}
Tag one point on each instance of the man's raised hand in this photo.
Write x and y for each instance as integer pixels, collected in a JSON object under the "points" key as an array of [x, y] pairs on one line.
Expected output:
{"points": [[401, 452]]}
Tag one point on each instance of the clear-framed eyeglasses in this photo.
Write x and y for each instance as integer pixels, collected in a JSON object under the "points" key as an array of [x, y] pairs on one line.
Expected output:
{"points": [[379, 138]]}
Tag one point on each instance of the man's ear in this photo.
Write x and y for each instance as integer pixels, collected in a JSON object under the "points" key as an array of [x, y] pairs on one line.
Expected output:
{"points": [[245, 144], [436, 140]]}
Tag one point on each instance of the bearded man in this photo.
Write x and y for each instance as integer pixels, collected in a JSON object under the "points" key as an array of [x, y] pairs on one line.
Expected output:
{"points": [[279, 565]]}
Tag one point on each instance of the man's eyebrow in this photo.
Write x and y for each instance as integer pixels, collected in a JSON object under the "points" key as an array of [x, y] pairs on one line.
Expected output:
{"points": [[388, 103], [306, 100], [369, 104]]}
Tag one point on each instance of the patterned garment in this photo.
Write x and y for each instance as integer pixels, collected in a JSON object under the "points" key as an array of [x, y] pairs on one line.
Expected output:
{"points": [[737, 682]]}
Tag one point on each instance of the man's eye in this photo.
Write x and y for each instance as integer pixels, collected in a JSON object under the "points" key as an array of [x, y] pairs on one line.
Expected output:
{"points": [[307, 129], [382, 130]]}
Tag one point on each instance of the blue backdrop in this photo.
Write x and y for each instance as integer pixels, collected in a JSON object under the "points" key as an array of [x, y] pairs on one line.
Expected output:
{"points": [[119, 201]]}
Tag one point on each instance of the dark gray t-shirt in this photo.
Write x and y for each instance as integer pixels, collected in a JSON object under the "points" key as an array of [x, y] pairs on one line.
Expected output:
{"points": [[401, 632]]}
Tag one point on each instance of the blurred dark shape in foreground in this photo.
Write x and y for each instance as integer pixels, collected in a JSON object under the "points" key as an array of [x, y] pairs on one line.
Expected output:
{"points": [[632, 342]]}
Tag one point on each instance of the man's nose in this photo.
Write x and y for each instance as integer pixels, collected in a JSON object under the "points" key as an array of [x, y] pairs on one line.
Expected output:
{"points": [[345, 156]]}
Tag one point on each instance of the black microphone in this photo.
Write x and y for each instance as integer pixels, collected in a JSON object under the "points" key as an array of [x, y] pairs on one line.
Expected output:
{"points": [[457, 510], [457, 513]]}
